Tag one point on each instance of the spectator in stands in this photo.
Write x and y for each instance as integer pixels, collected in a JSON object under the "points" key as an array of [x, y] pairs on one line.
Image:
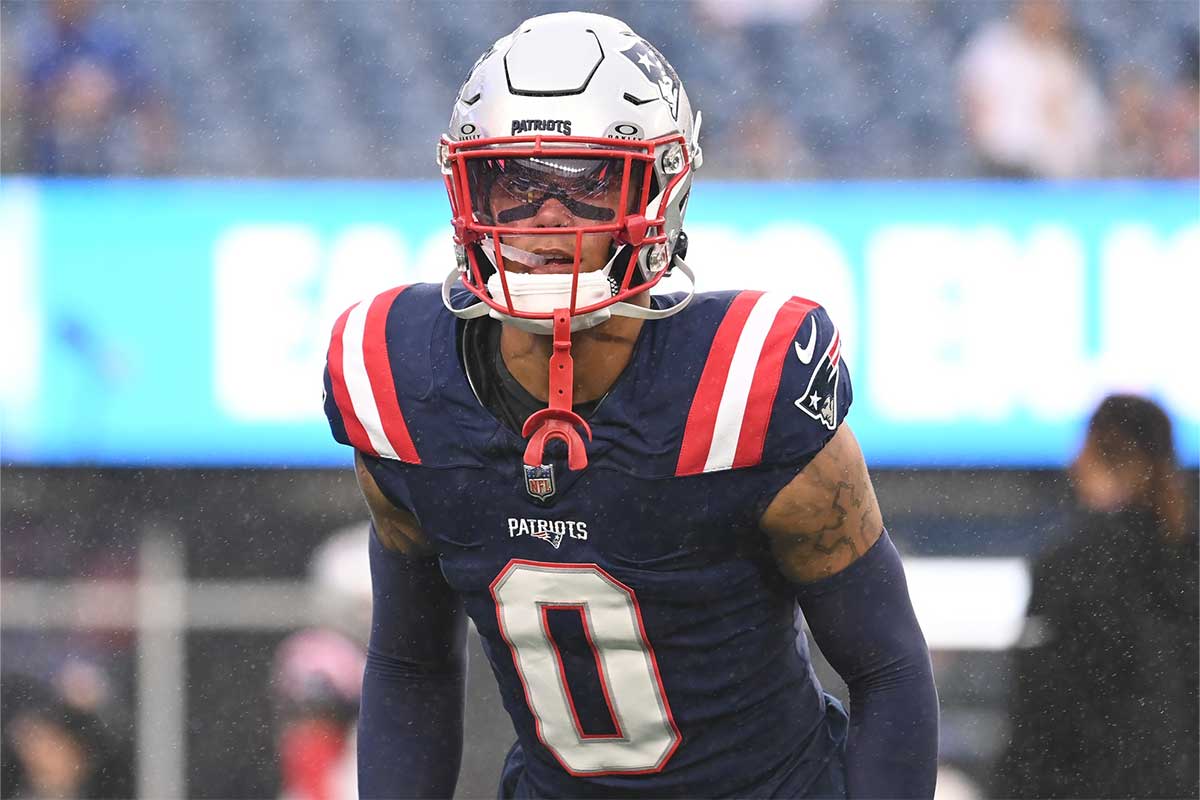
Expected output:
{"points": [[93, 108], [1134, 150], [1157, 133], [12, 105], [763, 145], [56, 740], [1031, 108], [318, 671], [1181, 117], [1105, 694]]}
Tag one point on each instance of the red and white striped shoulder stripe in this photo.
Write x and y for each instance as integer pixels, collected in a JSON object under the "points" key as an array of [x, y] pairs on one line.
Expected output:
{"points": [[363, 388], [727, 424]]}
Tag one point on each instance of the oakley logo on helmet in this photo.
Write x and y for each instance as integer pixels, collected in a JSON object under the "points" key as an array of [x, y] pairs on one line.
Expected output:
{"points": [[646, 58], [562, 126], [623, 130]]}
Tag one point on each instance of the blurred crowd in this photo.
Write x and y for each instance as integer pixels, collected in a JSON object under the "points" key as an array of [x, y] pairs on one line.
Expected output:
{"points": [[64, 733], [1059, 89], [81, 102], [1034, 107]]}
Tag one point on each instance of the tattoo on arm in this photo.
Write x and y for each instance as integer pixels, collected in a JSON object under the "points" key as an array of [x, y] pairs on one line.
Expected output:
{"points": [[827, 517]]}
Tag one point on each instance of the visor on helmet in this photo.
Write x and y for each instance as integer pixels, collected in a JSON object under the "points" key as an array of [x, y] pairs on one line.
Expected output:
{"points": [[510, 191]]}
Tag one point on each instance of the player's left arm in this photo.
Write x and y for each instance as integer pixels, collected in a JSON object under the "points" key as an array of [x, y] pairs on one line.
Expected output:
{"points": [[826, 533], [827, 517]]}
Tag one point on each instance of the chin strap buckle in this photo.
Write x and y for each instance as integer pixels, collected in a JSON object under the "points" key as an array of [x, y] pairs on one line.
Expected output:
{"points": [[558, 421]]}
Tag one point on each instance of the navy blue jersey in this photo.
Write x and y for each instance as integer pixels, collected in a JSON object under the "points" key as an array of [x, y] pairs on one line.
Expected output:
{"points": [[642, 637]]}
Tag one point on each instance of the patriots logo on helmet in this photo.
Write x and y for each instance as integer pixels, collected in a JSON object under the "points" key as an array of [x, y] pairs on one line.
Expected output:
{"points": [[820, 399], [657, 70], [539, 482]]}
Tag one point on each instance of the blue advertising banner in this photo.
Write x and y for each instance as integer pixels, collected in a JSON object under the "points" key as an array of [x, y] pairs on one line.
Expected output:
{"points": [[186, 322]]}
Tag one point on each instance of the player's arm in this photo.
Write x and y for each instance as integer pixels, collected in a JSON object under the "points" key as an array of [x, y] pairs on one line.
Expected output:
{"points": [[827, 536], [827, 517], [397, 528], [410, 723]]}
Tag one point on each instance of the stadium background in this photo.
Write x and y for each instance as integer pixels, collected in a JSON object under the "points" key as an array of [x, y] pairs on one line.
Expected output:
{"points": [[172, 264]]}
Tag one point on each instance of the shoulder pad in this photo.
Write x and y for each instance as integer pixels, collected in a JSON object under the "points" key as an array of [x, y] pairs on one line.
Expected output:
{"points": [[773, 388], [361, 402]]}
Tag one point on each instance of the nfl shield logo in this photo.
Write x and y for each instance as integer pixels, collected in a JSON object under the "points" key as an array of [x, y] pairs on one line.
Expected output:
{"points": [[539, 481]]}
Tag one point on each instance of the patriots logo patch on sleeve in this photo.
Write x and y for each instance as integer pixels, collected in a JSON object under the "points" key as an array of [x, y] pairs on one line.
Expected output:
{"points": [[820, 399]]}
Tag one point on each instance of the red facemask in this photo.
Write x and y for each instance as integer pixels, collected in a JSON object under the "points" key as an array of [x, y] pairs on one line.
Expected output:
{"points": [[557, 206]]}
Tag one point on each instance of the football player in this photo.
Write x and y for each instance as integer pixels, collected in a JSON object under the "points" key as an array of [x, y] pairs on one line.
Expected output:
{"points": [[631, 495]]}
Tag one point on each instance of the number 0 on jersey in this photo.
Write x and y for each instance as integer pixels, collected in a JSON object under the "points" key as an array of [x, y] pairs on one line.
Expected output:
{"points": [[646, 734]]}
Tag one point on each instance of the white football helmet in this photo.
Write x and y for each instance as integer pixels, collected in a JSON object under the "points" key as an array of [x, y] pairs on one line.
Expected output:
{"points": [[574, 108]]}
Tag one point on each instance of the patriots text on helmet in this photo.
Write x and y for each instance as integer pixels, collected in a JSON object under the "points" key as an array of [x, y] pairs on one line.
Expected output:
{"points": [[562, 126]]}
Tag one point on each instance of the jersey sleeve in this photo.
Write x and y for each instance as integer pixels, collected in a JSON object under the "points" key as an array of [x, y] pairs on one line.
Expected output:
{"points": [[813, 395], [773, 388], [361, 401]]}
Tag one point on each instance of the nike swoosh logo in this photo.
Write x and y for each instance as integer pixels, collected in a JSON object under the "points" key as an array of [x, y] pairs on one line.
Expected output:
{"points": [[805, 354]]}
